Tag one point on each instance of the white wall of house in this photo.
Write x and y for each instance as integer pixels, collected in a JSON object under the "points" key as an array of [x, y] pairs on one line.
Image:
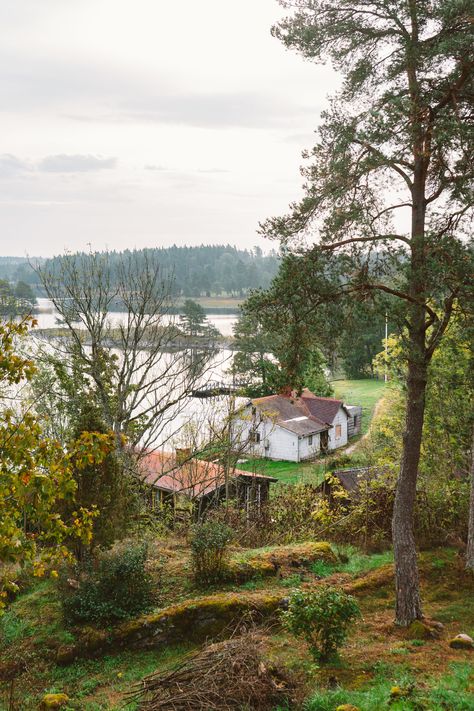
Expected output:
{"points": [[282, 443], [309, 447], [341, 420]]}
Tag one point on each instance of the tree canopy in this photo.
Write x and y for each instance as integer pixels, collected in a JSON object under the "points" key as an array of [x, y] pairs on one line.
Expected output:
{"points": [[389, 181]]}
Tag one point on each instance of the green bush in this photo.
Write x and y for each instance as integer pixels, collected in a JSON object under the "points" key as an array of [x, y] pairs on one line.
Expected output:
{"points": [[113, 587], [209, 551], [321, 618]]}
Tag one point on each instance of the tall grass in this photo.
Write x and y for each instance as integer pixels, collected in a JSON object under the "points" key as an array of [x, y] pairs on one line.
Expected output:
{"points": [[451, 691], [353, 561]]}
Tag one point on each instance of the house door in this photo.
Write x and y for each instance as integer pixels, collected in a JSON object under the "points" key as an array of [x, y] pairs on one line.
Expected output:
{"points": [[324, 441]]}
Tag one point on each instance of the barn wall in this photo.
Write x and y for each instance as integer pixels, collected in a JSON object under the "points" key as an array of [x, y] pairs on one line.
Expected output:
{"points": [[354, 423]]}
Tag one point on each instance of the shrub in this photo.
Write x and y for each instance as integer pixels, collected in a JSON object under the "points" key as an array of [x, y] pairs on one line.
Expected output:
{"points": [[114, 587], [321, 618], [208, 551]]}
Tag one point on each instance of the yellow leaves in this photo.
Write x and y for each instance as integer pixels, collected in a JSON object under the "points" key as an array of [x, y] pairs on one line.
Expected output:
{"points": [[91, 448], [36, 476], [39, 569]]}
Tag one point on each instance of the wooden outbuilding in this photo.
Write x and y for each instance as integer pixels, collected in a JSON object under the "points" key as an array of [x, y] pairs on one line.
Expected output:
{"points": [[195, 484], [345, 485], [354, 423]]}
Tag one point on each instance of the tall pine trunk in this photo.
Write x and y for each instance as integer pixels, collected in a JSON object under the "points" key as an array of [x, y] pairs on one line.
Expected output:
{"points": [[407, 587], [408, 600], [470, 532]]}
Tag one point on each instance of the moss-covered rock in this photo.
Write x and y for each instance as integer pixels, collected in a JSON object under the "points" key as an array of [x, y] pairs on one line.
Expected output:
{"points": [[419, 630], [267, 562], [54, 701], [191, 621], [297, 556], [372, 580], [243, 570], [462, 641]]}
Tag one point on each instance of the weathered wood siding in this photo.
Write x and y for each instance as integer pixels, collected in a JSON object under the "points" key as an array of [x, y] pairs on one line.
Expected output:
{"points": [[354, 423], [340, 419]]}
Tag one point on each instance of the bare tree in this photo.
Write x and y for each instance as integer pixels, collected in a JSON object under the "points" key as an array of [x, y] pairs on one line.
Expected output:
{"points": [[140, 377]]}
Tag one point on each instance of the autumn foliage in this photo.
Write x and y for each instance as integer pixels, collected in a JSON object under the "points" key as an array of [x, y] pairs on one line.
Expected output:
{"points": [[36, 476]]}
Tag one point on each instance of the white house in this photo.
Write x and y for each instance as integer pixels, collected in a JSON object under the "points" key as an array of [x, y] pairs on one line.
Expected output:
{"points": [[292, 428]]}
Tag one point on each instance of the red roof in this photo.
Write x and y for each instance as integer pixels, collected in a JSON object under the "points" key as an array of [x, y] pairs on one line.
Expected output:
{"points": [[323, 408], [289, 412], [286, 408], [194, 477]]}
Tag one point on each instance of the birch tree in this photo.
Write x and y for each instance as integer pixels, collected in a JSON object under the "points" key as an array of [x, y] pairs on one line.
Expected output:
{"points": [[138, 376]]}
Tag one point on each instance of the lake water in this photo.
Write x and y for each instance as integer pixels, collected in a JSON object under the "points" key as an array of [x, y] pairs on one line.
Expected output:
{"points": [[192, 418], [47, 318]]}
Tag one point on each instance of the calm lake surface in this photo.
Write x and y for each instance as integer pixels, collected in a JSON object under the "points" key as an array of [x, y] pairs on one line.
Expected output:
{"points": [[47, 318], [193, 414]]}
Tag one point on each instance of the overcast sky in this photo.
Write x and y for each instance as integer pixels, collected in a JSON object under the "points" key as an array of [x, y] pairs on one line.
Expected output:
{"points": [[148, 123]]}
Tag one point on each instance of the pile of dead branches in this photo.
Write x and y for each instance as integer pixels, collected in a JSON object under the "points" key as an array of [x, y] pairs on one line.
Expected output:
{"points": [[224, 676]]}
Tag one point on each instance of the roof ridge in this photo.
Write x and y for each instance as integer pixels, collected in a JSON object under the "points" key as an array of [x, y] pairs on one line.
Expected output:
{"points": [[320, 397]]}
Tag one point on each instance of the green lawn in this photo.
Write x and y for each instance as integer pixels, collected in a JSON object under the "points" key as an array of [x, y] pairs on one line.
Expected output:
{"points": [[287, 472], [360, 392]]}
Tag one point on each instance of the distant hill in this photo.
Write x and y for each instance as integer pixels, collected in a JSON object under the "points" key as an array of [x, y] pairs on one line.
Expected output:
{"points": [[203, 271], [15, 269]]}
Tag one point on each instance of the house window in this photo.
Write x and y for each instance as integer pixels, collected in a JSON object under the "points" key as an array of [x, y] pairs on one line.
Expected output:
{"points": [[254, 437], [338, 431], [310, 440]]}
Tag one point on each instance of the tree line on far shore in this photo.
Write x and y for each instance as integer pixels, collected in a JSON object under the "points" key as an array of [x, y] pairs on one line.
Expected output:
{"points": [[205, 270]]}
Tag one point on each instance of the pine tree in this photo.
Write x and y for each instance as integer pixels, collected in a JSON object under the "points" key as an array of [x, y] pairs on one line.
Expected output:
{"points": [[397, 139]]}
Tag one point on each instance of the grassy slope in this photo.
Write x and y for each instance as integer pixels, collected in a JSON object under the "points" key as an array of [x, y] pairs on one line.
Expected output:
{"points": [[376, 656], [360, 392]]}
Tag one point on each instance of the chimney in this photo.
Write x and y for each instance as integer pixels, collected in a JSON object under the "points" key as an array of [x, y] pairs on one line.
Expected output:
{"points": [[182, 454]]}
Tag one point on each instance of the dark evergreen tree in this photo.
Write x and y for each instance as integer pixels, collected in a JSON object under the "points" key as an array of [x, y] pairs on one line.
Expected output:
{"points": [[193, 318]]}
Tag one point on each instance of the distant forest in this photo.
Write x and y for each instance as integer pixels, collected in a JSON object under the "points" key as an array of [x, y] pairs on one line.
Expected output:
{"points": [[215, 270]]}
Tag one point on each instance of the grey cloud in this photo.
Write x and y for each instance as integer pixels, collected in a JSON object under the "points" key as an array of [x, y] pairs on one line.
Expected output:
{"points": [[122, 98], [10, 166], [160, 168], [213, 170], [239, 109], [75, 163]]}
